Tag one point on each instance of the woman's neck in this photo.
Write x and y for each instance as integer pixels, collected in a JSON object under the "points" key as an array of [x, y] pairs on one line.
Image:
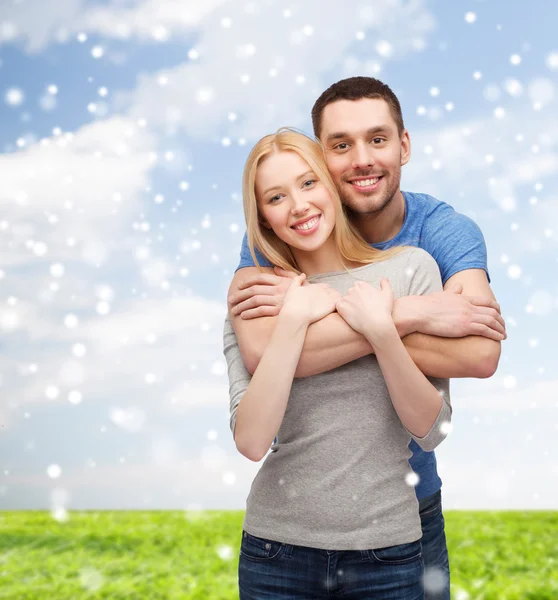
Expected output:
{"points": [[324, 259]]}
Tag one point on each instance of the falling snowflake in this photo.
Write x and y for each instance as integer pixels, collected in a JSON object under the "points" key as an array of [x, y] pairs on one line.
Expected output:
{"points": [[75, 397], [14, 97], [91, 579], [97, 51], [54, 471], [412, 479]]}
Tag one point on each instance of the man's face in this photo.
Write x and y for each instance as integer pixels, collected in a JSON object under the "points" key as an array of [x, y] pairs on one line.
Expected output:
{"points": [[364, 152]]}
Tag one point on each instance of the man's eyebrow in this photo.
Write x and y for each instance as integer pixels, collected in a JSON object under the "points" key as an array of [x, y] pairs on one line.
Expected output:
{"points": [[379, 129], [343, 134], [336, 136]]}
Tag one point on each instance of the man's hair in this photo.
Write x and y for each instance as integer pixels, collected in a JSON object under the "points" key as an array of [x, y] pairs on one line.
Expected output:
{"points": [[356, 88]]}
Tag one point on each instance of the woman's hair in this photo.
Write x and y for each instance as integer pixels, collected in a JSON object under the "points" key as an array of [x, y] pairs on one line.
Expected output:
{"points": [[351, 245]]}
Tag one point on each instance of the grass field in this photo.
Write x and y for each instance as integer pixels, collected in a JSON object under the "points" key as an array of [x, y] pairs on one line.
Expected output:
{"points": [[193, 555]]}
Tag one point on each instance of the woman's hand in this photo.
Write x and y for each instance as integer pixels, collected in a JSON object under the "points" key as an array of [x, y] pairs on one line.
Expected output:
{"points": [[367, 309], [311, 302]]}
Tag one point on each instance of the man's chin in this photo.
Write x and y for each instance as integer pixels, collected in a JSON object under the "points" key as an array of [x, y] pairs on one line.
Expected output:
{"points": [[363, 204]]}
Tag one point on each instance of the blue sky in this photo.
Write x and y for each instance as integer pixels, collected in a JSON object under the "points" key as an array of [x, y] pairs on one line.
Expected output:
{"points": [[125, 126]]}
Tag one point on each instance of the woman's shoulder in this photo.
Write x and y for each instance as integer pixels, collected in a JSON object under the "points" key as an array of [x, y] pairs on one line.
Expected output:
{"points": [[404, 269], [417, 256], [407, 256]]}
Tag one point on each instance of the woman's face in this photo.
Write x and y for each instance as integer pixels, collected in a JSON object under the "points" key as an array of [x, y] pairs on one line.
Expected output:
{"points": [[293, 202]]}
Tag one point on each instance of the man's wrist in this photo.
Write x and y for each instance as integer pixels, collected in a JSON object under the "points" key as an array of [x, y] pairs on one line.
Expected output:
{"points": [[406, 319]]}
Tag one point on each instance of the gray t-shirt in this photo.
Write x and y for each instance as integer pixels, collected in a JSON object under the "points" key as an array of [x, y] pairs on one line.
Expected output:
{"points": [[338, 476]]}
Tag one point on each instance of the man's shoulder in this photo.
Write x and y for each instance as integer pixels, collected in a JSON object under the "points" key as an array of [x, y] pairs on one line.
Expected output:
{"points": [[420, 203], [434, 212]]}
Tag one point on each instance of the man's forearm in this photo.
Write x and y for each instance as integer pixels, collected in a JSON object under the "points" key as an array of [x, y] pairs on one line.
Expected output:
{"points": [[331, 343]]}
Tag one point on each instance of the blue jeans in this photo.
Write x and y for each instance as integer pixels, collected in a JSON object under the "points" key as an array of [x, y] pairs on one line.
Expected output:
{"points": [[270, 570], [434, 549]]}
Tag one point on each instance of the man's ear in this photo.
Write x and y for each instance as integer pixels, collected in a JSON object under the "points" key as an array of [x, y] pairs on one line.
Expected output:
{"points": [[405, 148]]}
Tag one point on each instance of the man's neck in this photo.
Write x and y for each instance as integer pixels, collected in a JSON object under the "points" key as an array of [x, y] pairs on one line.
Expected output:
{"points": [[383, 225]]}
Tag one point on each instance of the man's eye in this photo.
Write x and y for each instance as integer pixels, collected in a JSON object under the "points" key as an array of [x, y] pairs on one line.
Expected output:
{"points": [[341, 146], [378, 140]]}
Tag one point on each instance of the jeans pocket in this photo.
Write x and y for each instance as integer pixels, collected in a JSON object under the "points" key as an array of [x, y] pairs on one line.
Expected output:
{"points": [[256, 548], [430, 505], [398, 555]]}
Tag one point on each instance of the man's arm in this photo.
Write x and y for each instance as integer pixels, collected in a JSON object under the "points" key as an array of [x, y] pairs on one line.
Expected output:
{"points": [[331, 343], [474, 283]]}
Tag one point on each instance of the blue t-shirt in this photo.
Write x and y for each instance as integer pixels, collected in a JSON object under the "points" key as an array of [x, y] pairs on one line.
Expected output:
{"points": [[457, 244]]}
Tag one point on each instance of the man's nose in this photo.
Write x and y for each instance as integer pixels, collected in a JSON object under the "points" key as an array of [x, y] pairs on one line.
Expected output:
{"points": [[362, 157]]}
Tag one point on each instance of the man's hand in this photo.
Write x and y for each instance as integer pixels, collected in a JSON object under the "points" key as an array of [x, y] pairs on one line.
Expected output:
{"points": [[261, 295], [450, 314]]}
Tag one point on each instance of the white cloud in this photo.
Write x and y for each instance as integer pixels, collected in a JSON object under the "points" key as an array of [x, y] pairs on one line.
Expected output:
{"points": [[171, 481], [488, 169], [150, 19], [82, 186], [266, 79], [473, 151], [495, 394], [165, 347], [37, 23]]}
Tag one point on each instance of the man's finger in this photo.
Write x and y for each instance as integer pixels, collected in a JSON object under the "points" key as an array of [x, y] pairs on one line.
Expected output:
{"points": [[261, 311], [487, 332], [491, 312], [254, 302], [283, 273], [490, 322], [484, 301], [260, 279], [256, 290]]}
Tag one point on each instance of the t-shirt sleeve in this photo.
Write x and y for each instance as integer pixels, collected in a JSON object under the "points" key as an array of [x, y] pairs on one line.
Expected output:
{"points": [[246, 259], [424, 278], [455, 241], [239, 376]]}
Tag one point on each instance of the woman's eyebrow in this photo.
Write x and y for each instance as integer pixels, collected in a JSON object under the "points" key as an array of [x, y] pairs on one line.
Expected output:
{"points": [[305, 174]]}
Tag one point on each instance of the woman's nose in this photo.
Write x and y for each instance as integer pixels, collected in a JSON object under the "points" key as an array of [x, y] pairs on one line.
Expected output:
{"points": [[300, 205]]}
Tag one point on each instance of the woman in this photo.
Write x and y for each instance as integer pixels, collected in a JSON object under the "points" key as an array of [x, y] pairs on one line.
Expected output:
{"points": [[332, 512]]}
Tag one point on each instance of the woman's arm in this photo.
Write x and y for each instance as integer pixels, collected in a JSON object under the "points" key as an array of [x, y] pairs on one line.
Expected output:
{"points": [[423, 410], [258, 404], [419, 405], [261, 410]]}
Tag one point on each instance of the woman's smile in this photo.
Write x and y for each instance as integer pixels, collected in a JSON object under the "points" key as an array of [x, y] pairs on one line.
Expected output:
{"points": [[307, 226]]}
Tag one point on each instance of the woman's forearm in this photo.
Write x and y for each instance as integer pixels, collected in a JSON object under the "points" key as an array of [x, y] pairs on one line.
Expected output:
{"points": [[416, 401], [262, 407]]}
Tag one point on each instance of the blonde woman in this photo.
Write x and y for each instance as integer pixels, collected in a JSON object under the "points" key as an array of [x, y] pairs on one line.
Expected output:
{"points": [[332, 512]]}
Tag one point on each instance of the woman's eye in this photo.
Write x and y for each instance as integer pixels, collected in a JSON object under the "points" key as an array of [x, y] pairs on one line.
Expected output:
{"points": [[309, 182], [275, 198]]}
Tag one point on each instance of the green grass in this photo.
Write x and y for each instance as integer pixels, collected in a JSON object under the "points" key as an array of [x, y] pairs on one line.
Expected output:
{"points": [[177, 555]]}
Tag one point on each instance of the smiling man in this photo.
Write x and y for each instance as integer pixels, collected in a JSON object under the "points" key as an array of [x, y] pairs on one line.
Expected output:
{"points": [[454, 333]]}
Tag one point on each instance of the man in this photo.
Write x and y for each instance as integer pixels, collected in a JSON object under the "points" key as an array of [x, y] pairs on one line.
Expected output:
{"points": [[454, 333]]}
